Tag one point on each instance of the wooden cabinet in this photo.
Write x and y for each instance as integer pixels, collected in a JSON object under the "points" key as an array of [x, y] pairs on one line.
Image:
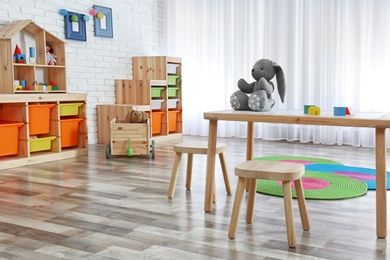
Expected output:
{"points": [[30, 69], [50, 127], [156, 82]]}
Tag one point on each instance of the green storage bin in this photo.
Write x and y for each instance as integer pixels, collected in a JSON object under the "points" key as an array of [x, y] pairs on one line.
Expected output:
{"points": [[172, 91], [172, 80], [157, 92]]}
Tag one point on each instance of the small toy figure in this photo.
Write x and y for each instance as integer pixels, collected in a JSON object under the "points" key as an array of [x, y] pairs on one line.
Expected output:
{"points": [[51, 59]]}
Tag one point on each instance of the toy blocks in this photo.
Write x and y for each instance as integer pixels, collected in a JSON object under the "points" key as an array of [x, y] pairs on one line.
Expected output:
{"points": [[339, 111], [306, 108], [349, 110], [342, 111], [18, 56], [312, 110]]}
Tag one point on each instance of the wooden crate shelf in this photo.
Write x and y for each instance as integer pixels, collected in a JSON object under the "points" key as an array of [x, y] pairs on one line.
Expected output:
{"points": [[16, 108]]}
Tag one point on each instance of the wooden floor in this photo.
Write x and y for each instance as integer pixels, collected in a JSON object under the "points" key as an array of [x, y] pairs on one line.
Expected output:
{"points": [[96, 208]]}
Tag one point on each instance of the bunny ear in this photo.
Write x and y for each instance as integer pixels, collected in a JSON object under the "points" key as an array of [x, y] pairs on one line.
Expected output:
{"points": [[280, 80]]}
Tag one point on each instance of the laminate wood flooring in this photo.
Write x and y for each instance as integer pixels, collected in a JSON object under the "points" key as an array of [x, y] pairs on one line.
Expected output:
{"points": [[91, 207]]}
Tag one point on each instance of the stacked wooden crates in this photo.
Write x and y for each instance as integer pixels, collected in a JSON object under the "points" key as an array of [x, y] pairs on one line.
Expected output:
{"points": [[156, 82]]}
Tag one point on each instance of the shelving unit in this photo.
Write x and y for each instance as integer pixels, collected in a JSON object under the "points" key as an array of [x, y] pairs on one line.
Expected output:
{"points": [[26, 34], [164, 108], [40, 123], [156, 82], [18, 108]]}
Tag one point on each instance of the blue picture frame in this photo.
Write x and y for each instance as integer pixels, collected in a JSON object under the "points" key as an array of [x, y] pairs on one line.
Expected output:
{"points": [[75, 30], [103, 28]]}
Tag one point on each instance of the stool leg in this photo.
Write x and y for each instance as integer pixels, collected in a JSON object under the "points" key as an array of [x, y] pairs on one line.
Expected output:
{"points": [[225, 173], [302, 204], [250, 210], [214, 193], [189, 171], [236, 207], [288, 211], [175, 170]]}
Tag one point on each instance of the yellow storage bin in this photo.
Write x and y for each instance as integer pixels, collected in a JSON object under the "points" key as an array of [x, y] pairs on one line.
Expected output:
{"points": [[41, 144], [70, 109]]}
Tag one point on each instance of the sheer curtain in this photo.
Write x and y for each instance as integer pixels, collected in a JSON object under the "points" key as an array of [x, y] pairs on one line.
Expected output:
{"points": [[333, 53]]}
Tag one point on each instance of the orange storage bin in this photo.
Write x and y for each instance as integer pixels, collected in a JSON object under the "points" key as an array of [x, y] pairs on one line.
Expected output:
{"points": [[156, 122], [39, 118], [70, 131], [172, 116], [9, 137]]}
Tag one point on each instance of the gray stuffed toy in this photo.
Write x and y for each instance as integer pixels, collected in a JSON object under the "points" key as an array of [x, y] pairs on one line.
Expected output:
{"points": [[260, 91]]}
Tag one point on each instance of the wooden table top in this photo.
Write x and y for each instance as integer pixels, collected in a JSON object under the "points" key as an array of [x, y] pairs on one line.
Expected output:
{"points": [[369, 119]]}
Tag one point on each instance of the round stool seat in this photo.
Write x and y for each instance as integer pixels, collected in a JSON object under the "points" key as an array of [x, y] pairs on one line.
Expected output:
{"points": [[269, 170], [196, 148]]}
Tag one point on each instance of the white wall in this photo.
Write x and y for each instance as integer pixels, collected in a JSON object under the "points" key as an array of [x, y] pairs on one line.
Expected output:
{"points": [[93, 66]]}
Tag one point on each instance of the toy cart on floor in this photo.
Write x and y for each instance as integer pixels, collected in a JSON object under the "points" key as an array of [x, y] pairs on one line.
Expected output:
{"points": [[130, 139]]}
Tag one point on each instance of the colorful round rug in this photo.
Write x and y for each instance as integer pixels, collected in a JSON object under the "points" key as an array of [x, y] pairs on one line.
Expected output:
{"points": [[364, 174], [298, 159], [318, 186]]}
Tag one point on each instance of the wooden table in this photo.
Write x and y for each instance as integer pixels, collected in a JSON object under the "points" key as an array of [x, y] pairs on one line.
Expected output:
{"points": [[379, 121]]}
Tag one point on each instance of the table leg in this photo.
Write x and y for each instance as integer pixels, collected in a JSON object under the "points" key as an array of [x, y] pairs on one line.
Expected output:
{"points": [[210, 170], [381, 201], [250, 140]]}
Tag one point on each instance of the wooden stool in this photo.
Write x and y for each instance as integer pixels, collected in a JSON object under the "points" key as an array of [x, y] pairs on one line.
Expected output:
{"points": [[268, 170], [195, 148]]}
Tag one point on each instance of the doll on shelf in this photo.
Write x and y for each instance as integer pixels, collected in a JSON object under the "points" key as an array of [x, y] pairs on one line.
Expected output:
{"points": [[51, 59]]}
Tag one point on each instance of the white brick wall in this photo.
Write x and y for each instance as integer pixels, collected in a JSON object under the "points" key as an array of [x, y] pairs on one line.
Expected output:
{"points": [[93, 66]]}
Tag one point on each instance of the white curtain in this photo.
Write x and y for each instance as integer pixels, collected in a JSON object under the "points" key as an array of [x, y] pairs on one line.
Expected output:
{"points": [[332, 52]]}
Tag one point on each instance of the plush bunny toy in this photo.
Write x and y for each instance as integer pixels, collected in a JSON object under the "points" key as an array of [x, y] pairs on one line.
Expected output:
{"points": [[260, 91], [136, 116]]}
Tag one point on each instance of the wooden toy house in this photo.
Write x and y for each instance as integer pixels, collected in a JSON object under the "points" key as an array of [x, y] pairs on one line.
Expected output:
{"points": [[26, 34]]}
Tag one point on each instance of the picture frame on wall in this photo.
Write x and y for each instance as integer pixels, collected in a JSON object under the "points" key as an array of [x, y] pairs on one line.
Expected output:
{"points": [[103, 27], [75, 30]]}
